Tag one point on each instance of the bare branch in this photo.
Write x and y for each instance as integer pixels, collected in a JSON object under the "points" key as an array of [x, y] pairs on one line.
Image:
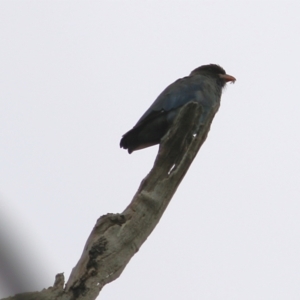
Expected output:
{"points": [[117, 237]]}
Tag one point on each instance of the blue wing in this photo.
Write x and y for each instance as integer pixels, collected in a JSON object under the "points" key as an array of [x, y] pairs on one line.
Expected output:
{"points": [[156, 121], [176, 95]]}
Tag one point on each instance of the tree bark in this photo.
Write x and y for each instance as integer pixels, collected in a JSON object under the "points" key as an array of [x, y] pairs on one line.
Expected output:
{"points": [[117, 237]]}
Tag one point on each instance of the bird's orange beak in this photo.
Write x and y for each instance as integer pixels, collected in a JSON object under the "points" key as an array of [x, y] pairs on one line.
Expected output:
{"points": [[227, 77]]}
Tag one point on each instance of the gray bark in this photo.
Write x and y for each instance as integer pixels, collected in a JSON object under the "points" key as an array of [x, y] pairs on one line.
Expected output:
{"points": [[117, 237]]}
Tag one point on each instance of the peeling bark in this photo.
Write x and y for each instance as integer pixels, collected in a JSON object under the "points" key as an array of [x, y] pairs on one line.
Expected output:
{"points": [[117, 237]]}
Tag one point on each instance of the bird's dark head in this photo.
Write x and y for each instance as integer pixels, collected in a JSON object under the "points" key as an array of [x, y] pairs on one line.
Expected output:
{"points": [[214, 71]]}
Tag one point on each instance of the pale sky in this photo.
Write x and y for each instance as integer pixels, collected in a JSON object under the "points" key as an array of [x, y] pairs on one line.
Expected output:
{"points": [[76, 75]]}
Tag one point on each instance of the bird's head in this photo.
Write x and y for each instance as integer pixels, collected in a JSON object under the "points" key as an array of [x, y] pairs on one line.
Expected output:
{"points": [[216, 72]]}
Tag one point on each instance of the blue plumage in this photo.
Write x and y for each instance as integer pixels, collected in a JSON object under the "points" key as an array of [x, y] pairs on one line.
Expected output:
{"points": [[204, 85]]}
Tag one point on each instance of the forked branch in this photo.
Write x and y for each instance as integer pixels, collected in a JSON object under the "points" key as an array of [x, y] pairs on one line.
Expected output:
{"points": [[117, 237]]}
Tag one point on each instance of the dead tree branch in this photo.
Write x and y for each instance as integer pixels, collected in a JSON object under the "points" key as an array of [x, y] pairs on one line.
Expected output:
{"points": [[117, 237]]}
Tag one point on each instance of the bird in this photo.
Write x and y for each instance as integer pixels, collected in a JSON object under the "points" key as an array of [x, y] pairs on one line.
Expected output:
{"points": [[204, 85]]}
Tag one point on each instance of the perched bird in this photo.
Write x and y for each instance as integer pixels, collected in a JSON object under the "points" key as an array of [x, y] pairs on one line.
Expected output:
{"points": [[203, 85]]}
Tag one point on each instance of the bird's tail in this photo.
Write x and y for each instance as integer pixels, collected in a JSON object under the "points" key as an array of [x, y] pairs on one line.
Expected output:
{"points": [[129, 140], [145, 135]]}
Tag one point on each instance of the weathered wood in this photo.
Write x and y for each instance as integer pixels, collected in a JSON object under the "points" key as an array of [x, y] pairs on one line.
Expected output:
{"points": [[117, 237]]}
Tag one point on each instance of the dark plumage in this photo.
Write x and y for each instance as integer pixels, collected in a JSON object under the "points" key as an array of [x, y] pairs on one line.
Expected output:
{"points": [[203, 85]]}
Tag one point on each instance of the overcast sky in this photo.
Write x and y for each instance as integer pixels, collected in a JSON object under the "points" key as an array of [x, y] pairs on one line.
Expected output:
{"points": [[76, 75]]}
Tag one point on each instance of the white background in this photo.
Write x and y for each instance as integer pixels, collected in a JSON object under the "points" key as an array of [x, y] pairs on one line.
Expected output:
{"points": [[76, 75]]}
